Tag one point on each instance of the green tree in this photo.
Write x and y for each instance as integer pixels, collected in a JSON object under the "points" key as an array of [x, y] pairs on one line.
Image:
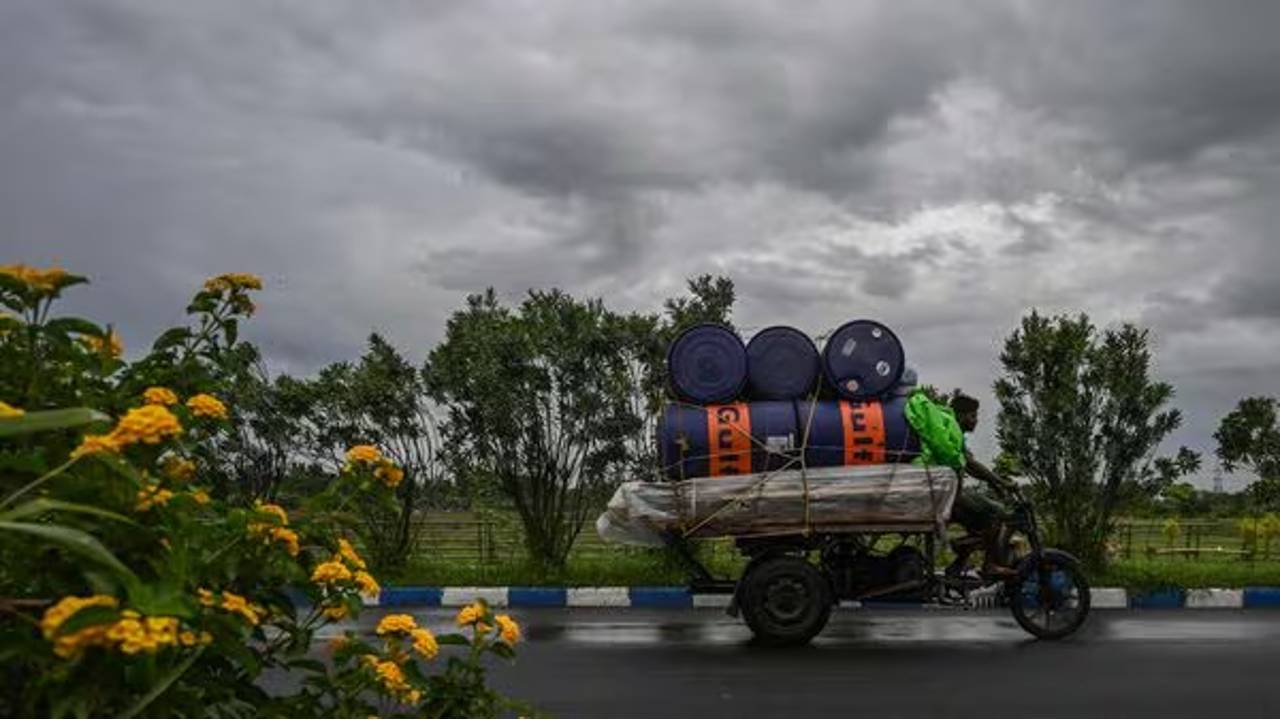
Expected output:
{"points": [[1249, 438], [539, 398], [379, 400], [1083, 418]]}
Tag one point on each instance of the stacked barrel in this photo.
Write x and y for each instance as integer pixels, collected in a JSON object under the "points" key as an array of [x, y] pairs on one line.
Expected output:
{"points": [[777, 403]]}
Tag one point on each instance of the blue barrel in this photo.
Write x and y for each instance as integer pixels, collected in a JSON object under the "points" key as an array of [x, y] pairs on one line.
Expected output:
{"points": [[862, 359], [732, 439], [782, 364], [856, 432], [707, 364]]}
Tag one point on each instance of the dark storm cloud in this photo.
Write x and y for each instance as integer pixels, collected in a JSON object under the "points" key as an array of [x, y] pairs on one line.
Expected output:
{"points": [[942, 166]]}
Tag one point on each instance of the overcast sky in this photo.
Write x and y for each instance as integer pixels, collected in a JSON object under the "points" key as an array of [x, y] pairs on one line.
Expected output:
{"points": [[941, 166]]}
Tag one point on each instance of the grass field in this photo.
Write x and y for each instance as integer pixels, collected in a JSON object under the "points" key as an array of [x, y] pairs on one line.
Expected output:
{"points": [[460, 549]]}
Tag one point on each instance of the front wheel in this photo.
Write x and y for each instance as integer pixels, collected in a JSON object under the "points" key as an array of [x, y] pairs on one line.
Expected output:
{"points": [[1050, 597], [785, 600]]}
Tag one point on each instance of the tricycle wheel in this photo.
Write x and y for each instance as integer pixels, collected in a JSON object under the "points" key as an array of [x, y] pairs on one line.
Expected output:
{"points": [[785, 600], [1050, 597]]}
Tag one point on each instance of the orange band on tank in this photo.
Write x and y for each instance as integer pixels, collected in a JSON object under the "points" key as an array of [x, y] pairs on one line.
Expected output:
{"points": [[729, 438], [863, 432]]}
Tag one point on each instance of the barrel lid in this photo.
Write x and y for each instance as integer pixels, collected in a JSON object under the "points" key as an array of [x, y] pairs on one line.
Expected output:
{"points": [[707, 363], [782, 363], [863, 359]]}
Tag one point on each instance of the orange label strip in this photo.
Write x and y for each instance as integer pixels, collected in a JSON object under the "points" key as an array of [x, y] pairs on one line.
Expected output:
{"points": [[863, 432], [729, 437]]}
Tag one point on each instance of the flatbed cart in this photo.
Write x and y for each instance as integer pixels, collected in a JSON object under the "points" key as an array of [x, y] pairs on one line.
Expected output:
{"points": [[793, 580]]}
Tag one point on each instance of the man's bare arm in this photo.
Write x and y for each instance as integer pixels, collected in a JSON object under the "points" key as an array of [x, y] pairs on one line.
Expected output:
{"points": [[973, 468]]}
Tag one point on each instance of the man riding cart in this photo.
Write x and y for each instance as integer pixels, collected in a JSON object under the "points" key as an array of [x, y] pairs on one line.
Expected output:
{"points": [[815, 536]]}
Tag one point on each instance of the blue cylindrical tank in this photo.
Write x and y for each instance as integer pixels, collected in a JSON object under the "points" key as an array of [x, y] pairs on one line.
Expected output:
{"points": [[732, 439], [856, 432], [707, 363], [782, 364], [862, 359]]}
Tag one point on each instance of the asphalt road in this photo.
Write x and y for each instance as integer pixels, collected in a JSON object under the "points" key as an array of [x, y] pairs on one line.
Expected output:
{"points": [[701, 663]]}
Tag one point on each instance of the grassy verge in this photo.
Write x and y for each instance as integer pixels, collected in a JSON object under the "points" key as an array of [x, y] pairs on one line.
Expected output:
{"points": [[633, 567], [1156, 574]]}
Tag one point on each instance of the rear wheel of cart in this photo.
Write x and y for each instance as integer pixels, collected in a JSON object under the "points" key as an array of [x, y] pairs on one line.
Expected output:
{"points": [[785, 600]]}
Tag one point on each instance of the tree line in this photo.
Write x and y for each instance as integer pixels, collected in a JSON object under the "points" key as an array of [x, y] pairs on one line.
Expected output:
{"points": [[545, 406]]}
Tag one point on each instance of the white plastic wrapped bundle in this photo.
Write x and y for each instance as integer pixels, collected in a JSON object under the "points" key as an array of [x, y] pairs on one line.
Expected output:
{"points": [[832, 499]]}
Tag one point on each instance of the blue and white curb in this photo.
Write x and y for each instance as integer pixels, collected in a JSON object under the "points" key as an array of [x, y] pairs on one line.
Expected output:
{"points": [[679, 598]]}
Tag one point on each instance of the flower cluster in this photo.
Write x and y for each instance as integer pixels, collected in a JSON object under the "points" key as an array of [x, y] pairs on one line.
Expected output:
{"points": [[131, 632], [73, 644], [41, 280], [344, 571], [234, 604], [110, 345], [384, 469], [149, 424], [275, 530], [178, 468], [206, 405], [476, 616], [233, 281], [156, 395], [152, 495], [392, 680]]}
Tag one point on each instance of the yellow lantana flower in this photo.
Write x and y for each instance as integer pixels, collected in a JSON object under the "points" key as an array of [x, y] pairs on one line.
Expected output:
{"points": [[364, 454], [388, 473], [349, 554], [425, 643], [156, 395], [366, 583], [206, 405], [201, 497], [240, 605], [8, 411], [336, 612], [273, 509], [328, 573], [471, 614], [93, 444], [111, 345], [179, 468], [149, 424], [152, 496], [288, 537], [393, 624], [508, 629], [136, 634], [42, 280], [233, 281], [73, 644]]}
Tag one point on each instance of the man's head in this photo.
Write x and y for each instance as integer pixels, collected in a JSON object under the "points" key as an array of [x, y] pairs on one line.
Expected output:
{"points": [[966, 410]]}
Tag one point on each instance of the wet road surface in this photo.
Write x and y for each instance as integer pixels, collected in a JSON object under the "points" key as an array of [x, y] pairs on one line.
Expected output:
{"points": [[701, 663]]}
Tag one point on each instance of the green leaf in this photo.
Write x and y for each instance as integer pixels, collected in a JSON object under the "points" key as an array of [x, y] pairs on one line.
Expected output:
{"points": [[45, 420], [161, 686], [78, 542], [170, 338], [503, 650], [41, 506], [88, 617], [232, 329], [70, 325], [453, 639], [161, 600]]}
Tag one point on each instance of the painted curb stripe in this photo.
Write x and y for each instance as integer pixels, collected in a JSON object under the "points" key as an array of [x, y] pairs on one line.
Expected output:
{"points": [[1214, 598], [459, 596], [660, 597], [537, 597], [679, 597], [598, 597], [1158, 600], [399, 596], [1262, 597]]}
